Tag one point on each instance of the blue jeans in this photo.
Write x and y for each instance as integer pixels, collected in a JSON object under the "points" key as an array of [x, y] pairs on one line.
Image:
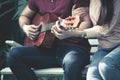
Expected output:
{"points": [[72, 59], [105, 65]]}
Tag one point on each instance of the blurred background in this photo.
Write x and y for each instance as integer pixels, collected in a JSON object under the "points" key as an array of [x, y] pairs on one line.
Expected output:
{"points": [[9, 27]]}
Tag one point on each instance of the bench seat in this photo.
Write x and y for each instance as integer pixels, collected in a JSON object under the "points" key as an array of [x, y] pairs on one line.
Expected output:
{"points": [[41, 72]]}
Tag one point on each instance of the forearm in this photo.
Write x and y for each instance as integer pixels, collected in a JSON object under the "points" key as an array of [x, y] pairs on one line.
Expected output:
{"points": [[86, 23], [26, 17], [23, 20], [93, 32], [83, 13], [96, 31]]}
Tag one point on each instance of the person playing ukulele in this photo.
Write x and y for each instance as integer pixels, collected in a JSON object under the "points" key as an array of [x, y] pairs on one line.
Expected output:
{"points": [[37, 20]]}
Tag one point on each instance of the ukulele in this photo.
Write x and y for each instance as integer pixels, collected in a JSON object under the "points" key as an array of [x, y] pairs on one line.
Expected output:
{"points": [[45, 37]]}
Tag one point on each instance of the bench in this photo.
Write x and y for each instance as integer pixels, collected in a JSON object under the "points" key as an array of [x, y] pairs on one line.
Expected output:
{"points": [[49, 71]]}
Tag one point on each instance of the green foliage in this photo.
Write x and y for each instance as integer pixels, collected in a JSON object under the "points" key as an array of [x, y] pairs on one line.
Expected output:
{"points": [[10, 11], [4, 3], [18, 7], [3, 54]]}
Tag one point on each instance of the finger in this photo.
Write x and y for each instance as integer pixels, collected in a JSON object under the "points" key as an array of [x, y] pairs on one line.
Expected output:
{"points": [[60, 29], [70, 18], [34, 28], [69, 23], [56, 32], [34, 34], [53, 27], [31, 37], [73, 22]]}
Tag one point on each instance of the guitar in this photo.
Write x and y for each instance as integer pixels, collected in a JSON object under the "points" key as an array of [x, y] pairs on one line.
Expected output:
{"points": [[45, 38]]}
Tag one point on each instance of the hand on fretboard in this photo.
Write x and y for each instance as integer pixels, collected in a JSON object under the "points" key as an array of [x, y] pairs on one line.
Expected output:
{"points": [[70, 23]]}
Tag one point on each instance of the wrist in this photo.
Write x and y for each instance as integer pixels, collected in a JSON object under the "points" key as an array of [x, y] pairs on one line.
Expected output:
{"points": [[23, 27]]}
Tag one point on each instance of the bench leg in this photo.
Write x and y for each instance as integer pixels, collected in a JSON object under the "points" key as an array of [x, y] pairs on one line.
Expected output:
{"points": [[2, 77]]}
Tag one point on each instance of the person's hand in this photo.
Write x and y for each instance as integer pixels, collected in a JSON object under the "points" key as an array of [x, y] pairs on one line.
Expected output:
{"points": [[72, 22], [31, 31], [62, 33], [69, 23]]}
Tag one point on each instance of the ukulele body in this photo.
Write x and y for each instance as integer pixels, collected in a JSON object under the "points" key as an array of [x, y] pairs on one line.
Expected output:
{"points": [[45, 38]]}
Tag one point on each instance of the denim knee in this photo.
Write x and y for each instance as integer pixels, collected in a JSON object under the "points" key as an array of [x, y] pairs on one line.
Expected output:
{"points": [[13, 56], [70, 60], [104, 67], [72, 66]]}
